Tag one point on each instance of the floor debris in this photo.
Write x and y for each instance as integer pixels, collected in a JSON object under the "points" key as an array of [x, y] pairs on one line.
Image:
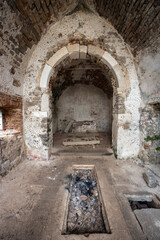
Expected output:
{"points": [[85, 208]]}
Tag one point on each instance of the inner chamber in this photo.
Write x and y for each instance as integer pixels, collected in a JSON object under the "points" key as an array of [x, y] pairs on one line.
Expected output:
{"points": [[82, 97]]}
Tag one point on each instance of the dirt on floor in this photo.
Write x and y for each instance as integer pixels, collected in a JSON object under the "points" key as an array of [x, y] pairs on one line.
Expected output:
{"points": [[32, 196]]}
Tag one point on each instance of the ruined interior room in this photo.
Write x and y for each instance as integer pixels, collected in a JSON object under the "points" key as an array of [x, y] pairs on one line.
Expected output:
{"points": [[79, 120]]}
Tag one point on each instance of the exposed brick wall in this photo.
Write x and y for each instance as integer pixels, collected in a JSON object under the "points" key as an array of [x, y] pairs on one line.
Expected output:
{"points": [[10, 101], [12, 111], [137, 21], [13, 119]]}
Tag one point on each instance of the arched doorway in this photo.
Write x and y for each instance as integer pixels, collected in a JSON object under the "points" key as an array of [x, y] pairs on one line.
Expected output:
{"points": [[82, 99], [99, 57]]}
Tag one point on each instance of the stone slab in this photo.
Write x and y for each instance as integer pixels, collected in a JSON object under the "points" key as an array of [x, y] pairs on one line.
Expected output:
{"points": [[68, 126], [95, 51], [150, 179], [84, 141], [84, 126], [109, 60], [149, 220], [154, 168]]}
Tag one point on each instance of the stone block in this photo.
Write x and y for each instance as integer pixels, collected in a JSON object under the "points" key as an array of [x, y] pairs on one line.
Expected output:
{"points": [[73, 50], [59, 56], [149, 220], [45, 77], [83, 52], [109, 60], [84, 126], [119, 75], [45, 102], [41, 114], [95, 51], [150, 179]]}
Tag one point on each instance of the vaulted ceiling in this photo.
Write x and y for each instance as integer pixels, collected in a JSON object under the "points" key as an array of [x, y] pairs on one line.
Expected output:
{"points": [[136, 20]]}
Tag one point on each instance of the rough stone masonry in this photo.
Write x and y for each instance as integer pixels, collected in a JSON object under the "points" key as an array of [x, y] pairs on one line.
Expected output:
{"points": [[117, 39]]}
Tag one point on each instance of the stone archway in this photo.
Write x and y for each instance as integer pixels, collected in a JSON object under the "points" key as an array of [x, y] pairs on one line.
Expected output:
{"points": [[41, 67], [76, 51]]}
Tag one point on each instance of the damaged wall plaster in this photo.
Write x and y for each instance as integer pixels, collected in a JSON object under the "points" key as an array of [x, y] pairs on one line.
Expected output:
{"points": [[82, 28], [85, 103], [148, 63]]}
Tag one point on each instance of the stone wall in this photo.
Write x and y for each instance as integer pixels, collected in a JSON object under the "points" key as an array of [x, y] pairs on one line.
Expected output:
{"points": [[30, 35], [85, 103], [85, 29], [11, 152], [150, 127], [148, 62], [11, 58], [22, 23]]}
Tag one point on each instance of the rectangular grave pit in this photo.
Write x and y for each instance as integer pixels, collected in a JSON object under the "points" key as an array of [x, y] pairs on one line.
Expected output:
{"points": [[143, 201], [85, 212], [146, 209]]}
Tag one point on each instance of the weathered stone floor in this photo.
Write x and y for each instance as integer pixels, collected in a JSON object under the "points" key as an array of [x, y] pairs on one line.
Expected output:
{"points": [[33, 197]]}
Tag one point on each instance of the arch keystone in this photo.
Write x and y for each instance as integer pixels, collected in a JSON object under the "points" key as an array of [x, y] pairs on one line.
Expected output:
{"points": [[73, 50], [83, 52]]}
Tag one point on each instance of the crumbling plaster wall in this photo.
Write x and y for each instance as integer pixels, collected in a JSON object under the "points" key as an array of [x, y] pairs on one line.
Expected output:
{"points": [[18, 36], [83, 28], [11, 76], [148, 62], [149, 71], [85, 103]]}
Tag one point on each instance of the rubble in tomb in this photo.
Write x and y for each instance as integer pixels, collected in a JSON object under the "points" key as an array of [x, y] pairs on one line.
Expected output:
{"points": [[85, 208]]}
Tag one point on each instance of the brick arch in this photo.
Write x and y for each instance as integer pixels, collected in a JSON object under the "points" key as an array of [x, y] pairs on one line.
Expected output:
{"points": [[76, 51]]}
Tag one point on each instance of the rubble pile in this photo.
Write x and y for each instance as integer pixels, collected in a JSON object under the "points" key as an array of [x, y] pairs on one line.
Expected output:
{"points": [[85, 208]]}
